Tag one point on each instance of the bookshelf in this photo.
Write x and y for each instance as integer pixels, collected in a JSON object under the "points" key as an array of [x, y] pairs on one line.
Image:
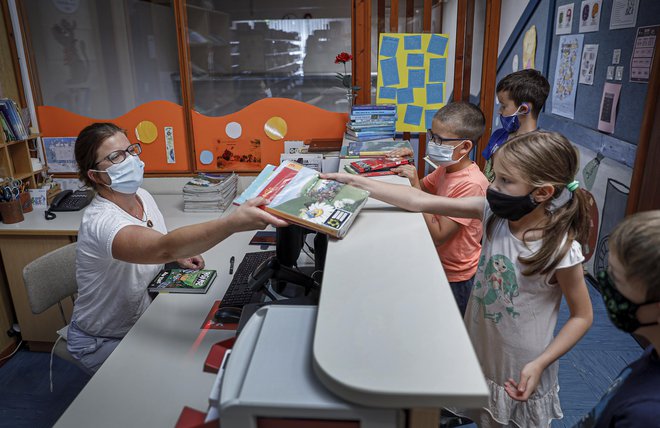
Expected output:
{"points": [[15, 159]]}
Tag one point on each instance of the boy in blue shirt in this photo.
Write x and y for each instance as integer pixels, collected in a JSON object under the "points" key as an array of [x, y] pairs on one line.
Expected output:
{"points": [[521, 96]]}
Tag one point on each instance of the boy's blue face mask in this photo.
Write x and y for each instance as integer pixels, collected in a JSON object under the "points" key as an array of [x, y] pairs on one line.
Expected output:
{"points": [[512, 123]]}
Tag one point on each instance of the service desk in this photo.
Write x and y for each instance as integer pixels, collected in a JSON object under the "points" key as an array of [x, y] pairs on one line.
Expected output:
{"points": [[388, 332]]}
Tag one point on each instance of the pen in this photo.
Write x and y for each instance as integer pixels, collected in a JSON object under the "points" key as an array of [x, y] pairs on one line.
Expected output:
{"points": [[231, 265]]}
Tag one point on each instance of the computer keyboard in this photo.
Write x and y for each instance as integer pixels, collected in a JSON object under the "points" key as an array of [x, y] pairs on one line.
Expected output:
{"points": [[238, 293]]}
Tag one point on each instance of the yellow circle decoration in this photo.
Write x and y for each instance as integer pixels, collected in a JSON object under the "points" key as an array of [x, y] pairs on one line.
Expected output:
{"points": [[146, 132], [275, 128]]}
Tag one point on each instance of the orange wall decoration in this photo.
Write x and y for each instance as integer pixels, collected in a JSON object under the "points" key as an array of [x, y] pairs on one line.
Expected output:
{"points": [[304, 121], [57, 122]]}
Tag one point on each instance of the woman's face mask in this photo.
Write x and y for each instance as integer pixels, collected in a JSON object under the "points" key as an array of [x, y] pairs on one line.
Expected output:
{"points": [[126, 176], [621, 310]]}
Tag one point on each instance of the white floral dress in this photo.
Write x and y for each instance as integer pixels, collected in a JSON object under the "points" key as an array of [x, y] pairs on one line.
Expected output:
{"points": [[511, 319]]}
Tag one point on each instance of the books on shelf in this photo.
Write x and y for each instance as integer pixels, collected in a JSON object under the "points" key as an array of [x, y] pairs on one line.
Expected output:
{"points": [[374, 148], [298, 195], [209, 193], [376, 166], [11, 121], [183, 281], [371, 122]]}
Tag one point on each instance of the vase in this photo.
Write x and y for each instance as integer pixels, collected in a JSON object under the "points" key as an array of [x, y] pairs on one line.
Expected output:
{"points": [[350, 97]]}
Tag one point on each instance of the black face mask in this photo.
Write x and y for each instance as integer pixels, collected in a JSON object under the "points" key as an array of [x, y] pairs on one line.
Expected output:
{"points": [[621, 310], [510, 207]]}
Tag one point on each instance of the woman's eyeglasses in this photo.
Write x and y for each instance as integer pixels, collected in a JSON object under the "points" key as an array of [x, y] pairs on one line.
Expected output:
{"points": [[118, 156], [430, 136]]}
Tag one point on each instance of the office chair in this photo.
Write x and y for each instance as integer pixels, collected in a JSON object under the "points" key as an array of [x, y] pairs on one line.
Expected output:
{"points": [[48, 280]]}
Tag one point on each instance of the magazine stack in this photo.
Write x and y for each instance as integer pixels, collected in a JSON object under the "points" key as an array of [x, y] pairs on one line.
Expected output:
{"points": [[371, 122], [209, 193]]}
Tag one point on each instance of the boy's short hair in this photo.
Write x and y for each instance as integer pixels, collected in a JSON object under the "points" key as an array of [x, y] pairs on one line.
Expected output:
{"points": [[636, 244], [526, 86], [464, 119]]}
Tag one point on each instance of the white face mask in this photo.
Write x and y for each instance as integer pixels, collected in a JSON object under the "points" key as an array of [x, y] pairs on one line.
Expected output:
{"points": [[126, 176], [442, 154]]}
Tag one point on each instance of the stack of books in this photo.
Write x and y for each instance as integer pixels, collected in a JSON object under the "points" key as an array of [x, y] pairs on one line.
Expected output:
{"points": [[371, 122], [209, 193]]}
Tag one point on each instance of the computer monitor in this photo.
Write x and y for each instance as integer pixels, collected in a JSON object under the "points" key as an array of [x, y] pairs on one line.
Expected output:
{"points": [[282, 271]]}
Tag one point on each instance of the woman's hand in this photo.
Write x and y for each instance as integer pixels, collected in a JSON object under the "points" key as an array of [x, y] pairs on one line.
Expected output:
{"points": [[530, 376], [194, 262], [250, 217], [339, 176]]}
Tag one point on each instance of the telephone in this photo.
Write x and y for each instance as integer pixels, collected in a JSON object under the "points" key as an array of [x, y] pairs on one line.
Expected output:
{"points": [[68, 200]]}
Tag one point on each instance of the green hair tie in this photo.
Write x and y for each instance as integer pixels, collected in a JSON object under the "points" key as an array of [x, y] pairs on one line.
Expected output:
{"points": [[573, 185]]}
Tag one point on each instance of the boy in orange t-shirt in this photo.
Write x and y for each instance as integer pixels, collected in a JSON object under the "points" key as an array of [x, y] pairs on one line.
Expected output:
{"points": [[455, 128]]}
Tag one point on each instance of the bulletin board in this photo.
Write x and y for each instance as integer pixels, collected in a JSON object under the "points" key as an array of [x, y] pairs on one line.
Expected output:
{"points": [[412, 75], [166, 150], [606, 160]]}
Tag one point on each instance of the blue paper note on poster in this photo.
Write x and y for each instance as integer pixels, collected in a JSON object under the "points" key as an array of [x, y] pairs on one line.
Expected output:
{"points": [[415, 60], [413, 115], [390, 71], [387, 93], [434, 93], [437, 68], [429, 118], [412, 42], [416, 78], [404, 96], [388, 46], [437, 45]]}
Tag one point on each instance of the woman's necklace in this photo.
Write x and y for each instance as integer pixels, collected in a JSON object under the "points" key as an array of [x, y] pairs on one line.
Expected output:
{"points": [[144, 218]]}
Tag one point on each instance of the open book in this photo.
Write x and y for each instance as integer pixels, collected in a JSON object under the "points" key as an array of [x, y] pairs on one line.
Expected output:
{"points": [[298, 195], [182, 281]]}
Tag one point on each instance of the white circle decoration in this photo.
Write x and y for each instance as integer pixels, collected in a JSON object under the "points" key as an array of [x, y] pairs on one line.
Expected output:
{"points": [[206, 157], [234, 130]]}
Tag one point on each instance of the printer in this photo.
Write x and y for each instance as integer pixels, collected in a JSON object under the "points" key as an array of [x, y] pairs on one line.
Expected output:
{"points": [[268, 380]]}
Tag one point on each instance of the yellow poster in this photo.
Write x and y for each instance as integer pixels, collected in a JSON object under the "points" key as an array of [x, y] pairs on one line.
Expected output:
{"points": [[529, 47], [412, 74]]}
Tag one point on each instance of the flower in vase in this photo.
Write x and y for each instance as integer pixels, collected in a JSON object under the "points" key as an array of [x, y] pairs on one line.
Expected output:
{"points": [[345, 78]]}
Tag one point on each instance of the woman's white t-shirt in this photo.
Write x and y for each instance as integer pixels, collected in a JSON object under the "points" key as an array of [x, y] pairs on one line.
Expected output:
{"points": [[112, 294]]}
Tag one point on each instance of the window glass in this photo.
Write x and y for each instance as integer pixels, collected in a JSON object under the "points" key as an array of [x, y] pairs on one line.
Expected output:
{"points": [[100, 58], [241, 52]]}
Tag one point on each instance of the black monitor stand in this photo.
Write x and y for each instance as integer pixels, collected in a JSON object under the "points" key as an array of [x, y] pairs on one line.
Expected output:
{"points": [[282, 272]]}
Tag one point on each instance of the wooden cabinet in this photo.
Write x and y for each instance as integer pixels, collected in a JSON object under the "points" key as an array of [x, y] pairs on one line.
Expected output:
{"points": [[15, 160]]}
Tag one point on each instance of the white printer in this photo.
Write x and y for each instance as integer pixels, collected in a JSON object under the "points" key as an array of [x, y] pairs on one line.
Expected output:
{"points": [[268, 379]]}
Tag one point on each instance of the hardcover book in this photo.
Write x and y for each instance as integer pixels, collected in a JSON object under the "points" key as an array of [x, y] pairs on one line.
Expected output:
{"points": [[376, 148], [377, 164], [298, 195], [183, 281]]}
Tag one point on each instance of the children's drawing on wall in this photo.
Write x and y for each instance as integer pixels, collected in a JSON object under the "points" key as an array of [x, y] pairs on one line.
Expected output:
{"points": [[588, 65], [529, 48], [74, 57], [564, 22], [590, 16], [591, 170], [238, 156], [566, 75]]}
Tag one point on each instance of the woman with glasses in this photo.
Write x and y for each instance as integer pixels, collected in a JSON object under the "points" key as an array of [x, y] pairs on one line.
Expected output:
{"points": [[123, 242]]}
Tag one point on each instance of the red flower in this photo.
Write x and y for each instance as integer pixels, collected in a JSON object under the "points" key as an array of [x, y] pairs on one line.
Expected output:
{"points": [[343, 57]]}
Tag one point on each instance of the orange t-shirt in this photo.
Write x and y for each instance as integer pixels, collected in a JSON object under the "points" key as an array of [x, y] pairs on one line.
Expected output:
{"points": [[460, 254]]}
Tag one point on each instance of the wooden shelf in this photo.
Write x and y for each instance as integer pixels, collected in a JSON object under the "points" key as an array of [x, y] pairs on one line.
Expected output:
{"points": [[15, 160]]}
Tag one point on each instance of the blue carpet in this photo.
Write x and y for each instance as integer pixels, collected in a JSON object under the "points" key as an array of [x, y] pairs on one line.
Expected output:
{"points": [[584, 374], [25, 397]]}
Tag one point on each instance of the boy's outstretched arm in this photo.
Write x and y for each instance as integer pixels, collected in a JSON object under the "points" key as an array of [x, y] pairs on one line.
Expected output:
{"points": [[412, 199]]}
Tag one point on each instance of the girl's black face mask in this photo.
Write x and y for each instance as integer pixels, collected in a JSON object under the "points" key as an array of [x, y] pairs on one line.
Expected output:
{"points": [[510, 207], [621, 310]]}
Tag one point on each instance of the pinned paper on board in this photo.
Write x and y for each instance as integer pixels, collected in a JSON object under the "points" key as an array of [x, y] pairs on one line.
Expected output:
{"points": [[59, 154], [529, 48], [607, 117], [169, 144], [588, 65], [566, 75], [412, 72], [590, 15], [643, 51], [564, 22], [238, 156], [624, 14]]}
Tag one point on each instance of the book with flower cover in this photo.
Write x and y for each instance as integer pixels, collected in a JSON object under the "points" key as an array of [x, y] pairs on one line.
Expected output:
{"points": [[298, 195], [183, 281]]}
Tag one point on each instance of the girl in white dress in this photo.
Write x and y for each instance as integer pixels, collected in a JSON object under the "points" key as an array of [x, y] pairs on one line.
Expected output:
{"points": [[534, 219]]}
